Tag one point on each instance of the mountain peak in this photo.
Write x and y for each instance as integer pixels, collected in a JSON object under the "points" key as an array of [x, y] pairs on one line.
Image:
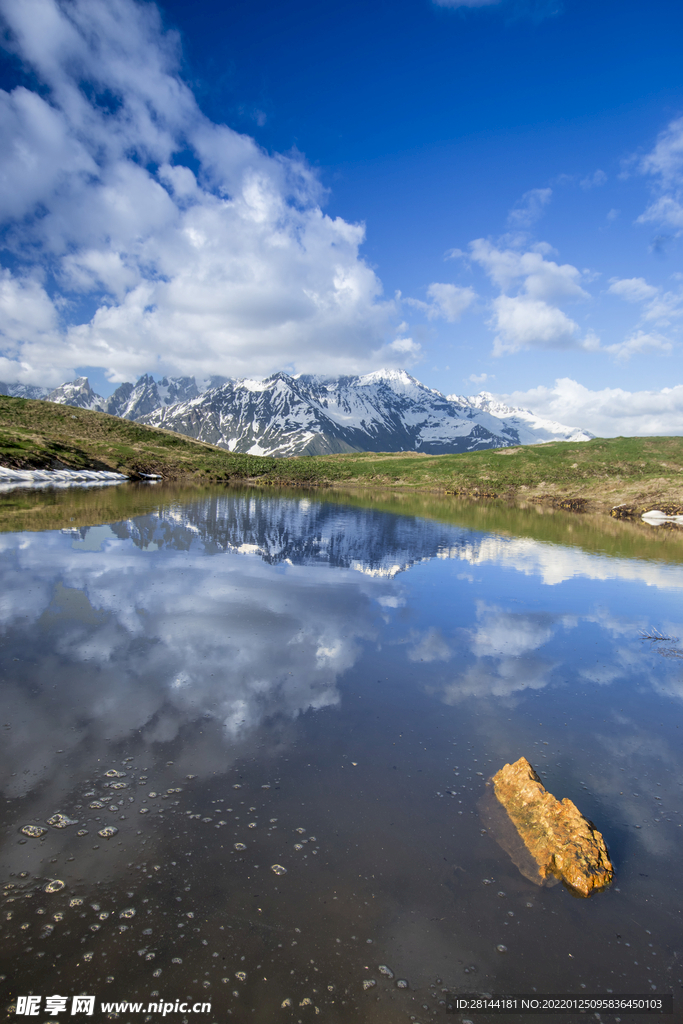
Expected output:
{"points": [[283, 414]]}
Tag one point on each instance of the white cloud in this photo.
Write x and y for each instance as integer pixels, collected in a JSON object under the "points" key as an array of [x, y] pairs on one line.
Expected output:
{"points": [[640, 341], [665, 164], [665, 210], [449, 301], [529, 208], [230, 267], [660, 308], [665, 307], [542, 279], [480, 378], [404, 347], [528, 323], [532, 317], [608, 412], [632, 289], [666, 159]]}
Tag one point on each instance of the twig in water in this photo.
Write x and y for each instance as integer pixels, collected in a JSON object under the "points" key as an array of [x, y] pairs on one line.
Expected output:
{"points": [[656, 634]]}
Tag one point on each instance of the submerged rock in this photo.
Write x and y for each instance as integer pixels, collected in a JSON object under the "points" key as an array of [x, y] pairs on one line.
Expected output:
{"points": [[60, 820], [34, 831], [562, 843]]}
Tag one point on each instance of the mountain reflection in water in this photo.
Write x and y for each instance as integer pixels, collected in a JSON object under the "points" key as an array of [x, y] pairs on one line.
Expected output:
{"points": [[358, 675]]}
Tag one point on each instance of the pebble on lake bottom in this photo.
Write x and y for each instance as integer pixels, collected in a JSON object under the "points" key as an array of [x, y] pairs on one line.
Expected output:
{"points": [[108, 832], [61, 821], [501, 948], [56, 885], [34, 831], [278, 869]]}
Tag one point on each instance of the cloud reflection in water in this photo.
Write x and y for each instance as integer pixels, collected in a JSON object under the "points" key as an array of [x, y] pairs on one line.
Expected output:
{"points": [[244, 612]]}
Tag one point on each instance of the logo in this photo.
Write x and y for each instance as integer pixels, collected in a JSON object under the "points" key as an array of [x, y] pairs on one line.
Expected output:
{"points": [[29, 1006]]}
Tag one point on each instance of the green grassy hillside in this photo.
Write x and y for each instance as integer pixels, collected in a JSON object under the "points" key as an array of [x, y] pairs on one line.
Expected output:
{"points": [[44, 435], [593, 474], [604, 471]]}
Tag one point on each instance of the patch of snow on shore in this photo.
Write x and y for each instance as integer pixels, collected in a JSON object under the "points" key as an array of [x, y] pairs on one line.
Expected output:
{"points": [[10, 479]]}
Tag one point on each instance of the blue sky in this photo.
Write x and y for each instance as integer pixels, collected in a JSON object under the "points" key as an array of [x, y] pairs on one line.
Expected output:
{"points": [[488, 194]]}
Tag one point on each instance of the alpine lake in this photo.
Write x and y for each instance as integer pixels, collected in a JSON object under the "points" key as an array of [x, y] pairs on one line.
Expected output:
{"points": [[246, 737]]}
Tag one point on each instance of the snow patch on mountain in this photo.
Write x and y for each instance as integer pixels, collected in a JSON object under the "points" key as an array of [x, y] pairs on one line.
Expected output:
{"points": [[524, 419], [283, 415], [79, 394], [33, 391]]}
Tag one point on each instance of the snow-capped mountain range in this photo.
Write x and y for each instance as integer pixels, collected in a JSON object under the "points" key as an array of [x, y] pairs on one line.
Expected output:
{"points": [[284, 415]]}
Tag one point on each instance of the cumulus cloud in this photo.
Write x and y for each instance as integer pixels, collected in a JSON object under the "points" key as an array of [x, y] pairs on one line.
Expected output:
{"points": [[543, 279], [527, 323], [531, 318], [664, 210], [632, 289], [448, 301], [223, 262], [666, 159], [665, 165], [529, 208], [607, 412], [639, 341], [660, 308]]}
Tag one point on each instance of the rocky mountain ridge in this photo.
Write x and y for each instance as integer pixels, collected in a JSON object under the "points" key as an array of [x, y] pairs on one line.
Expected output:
{"points": [[284, 415]]}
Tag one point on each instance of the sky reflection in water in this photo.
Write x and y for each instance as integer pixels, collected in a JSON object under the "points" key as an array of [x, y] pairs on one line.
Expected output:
{"points": [[373, 671]]}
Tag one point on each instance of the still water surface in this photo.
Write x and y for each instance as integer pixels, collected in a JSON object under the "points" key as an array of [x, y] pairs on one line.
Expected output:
{"points": [[284, 681]]}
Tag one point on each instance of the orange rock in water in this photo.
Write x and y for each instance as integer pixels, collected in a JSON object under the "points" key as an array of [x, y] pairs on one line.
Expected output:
{"points": [[561, 841]]}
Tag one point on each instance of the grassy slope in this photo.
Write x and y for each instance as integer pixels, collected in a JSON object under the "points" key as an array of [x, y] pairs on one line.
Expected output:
{"points": [[605, 471], [44, 435]]}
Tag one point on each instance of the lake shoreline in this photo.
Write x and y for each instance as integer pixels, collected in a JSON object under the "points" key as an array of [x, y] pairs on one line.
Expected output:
{"points": [[624, 501], [636, 473]]}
